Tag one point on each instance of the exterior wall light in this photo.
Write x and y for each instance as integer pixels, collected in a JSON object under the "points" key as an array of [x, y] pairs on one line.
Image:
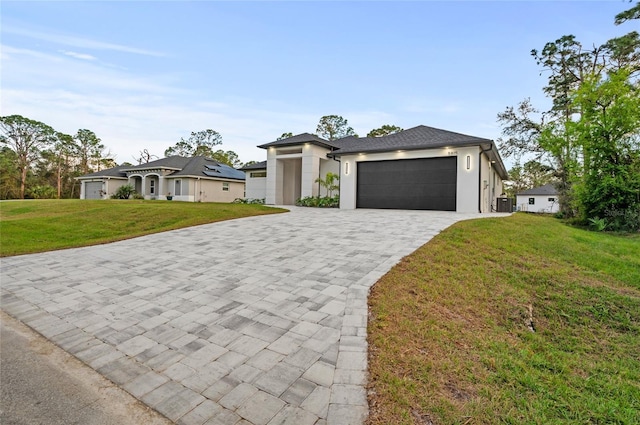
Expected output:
{"points": [[346, 168], [468, 162]]}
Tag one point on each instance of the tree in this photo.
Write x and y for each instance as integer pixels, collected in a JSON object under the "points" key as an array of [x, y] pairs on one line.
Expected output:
{"points": [[330, 183], [633, 13], [229, 158], [145, 157], [334, 127], [89, 149], [385, 130], [63, 149], [609, 133], [27, 138], [285, 136], [199, 143], [10, 175]]}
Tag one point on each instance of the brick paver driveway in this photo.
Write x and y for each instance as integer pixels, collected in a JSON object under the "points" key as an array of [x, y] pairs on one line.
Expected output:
{"points": [[260, 320]]}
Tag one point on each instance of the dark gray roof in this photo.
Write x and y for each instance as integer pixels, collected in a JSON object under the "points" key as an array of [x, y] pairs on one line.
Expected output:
{"points": [[201, 165], [299, 139], [197, 166], [257, 166], [109, 172], [420, 137], [547, 189]]}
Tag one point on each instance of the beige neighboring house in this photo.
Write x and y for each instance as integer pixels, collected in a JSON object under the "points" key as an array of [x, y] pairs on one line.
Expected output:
{"points": [[421, 168], [196, 179]]}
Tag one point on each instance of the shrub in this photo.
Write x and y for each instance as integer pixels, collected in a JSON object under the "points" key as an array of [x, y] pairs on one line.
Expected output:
{"points": [[124, 192], [248, 201], [320, 202]]}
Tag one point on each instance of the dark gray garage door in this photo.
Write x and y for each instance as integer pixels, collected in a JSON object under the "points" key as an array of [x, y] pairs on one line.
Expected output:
{"points": [[408, 184], [92, 190]]}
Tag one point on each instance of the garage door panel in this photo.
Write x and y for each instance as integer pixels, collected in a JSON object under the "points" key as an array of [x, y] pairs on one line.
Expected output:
{"points": [[93, 190], [425, 183]]}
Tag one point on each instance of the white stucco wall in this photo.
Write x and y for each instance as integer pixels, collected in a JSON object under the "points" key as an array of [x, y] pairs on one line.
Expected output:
{"points": [[255, 187], [467, 179], [541, 204]]}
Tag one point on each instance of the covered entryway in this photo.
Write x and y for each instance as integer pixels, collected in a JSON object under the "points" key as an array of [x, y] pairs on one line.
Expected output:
{"points": [[93, 190], [410, 184]]}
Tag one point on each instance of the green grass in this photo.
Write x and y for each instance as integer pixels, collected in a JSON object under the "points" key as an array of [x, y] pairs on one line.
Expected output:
{"points": [[45, 225], [449, 338]]}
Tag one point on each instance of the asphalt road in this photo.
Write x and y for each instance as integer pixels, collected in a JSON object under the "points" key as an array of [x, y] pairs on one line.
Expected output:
{"points": [[41, 384]]}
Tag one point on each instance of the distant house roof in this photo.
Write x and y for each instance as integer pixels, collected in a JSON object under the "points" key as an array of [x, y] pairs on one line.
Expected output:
{"points": [[547, 189], [197, 166], [115, 172], [257, 166], [299, 139]]}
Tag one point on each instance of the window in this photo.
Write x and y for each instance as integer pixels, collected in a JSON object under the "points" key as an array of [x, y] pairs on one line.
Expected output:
{"points": [[225, 187], [152, 187], [532, 201], [177, 188], [258, 174], [551, 199]]}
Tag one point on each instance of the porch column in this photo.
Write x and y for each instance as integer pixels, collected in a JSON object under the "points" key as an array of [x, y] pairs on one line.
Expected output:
{"points": [[142, 186], [162, 191], [310, 172]]}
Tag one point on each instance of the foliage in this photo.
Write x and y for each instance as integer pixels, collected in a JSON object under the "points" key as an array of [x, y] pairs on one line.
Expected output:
{"points": [[229, 158], [249, 201], [285, 136], [330, 183], [124, 192], [451, 340], [41, 192], [89, 149], [584, 86], [46, 225], [199, 143], [633, 13], [532, 174], [10, 175], [26, 137], [319, 201], [333, 127], [385, 130]]}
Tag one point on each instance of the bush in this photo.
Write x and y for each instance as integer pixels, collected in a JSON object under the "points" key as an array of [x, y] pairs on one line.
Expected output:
{"points": [[319, 202], [42, 192], [124, 192], [248, 201]]}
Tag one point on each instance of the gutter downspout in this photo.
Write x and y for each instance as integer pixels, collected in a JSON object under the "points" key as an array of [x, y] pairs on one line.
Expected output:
{"points": [[480, 175]]}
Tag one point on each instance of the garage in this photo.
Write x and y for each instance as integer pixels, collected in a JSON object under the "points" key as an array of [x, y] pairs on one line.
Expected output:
{"points": [[410, 184], [93, 190]]}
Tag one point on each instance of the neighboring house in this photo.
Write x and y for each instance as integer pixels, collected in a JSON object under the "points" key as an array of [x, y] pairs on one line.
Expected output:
{"points": [[196, 179], [543, 199], [419, 168], [255, 180]]}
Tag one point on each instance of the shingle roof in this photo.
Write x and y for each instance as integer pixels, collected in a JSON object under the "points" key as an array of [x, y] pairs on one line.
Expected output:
{"points": [[420, 137], [197, 166], [109, 172], [299, 139], [257, 166], [547, 189]]}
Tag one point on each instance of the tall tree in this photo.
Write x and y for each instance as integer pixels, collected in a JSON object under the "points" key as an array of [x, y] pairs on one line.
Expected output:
{"points": [[89, 149], [63, 149], [145, 157], [27, 138], [198, 143], [10, 175], [229, 158], [385, 130], [334, 127]]}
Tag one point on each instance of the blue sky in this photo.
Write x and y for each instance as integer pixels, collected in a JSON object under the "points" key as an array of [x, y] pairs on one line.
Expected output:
{"points": [[143, 74]]}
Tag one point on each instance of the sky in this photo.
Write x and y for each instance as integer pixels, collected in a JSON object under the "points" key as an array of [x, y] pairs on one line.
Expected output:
{"points": [[143, 74]]}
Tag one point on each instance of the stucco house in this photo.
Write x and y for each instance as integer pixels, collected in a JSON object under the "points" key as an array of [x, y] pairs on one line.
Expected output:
{"points": [[420, 168], [543, 199], [196, 179], [255, 180]]}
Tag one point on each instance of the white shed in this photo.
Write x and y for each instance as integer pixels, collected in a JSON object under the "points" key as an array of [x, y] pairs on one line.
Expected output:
{"points": [[543, 199]]}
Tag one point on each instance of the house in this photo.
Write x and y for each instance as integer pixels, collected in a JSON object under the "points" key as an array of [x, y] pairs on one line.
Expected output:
{"points": [[196, 179], [543, 199], [255, 180], [420, 168]]}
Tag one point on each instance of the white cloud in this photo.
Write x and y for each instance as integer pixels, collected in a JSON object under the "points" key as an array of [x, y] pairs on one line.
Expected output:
{"points": [[77, 55], [75, 41]]}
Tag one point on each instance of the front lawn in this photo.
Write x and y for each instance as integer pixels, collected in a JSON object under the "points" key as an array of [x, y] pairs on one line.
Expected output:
{"points": [[519, 320], [46, 225]]}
